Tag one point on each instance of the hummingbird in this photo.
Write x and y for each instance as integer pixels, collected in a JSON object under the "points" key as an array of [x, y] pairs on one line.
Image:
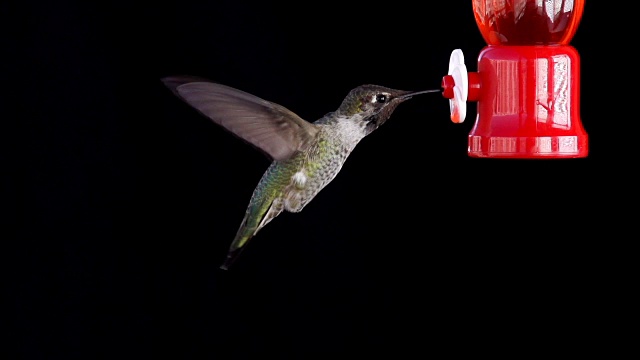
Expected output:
{"points": [[305, 156]]}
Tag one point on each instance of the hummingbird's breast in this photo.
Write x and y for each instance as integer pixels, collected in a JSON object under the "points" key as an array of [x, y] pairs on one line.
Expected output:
{"points": [[291, 184], [310, 171]]}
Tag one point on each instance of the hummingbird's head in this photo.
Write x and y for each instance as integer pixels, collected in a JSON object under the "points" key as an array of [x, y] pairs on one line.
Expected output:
{"points": [[374, 104]]}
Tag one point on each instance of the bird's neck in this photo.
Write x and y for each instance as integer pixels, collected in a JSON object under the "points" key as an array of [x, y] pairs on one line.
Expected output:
{"points": [[349, 130]]}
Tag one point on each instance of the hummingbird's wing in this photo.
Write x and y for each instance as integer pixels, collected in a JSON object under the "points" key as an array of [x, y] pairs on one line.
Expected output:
{"points": [[270, 127]]}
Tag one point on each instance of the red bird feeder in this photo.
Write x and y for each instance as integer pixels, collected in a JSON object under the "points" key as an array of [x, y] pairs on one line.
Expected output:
{"points": [[527, 86]]}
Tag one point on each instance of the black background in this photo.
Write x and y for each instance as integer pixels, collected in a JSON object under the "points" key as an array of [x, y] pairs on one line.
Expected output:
{"points": [[126, 200]]}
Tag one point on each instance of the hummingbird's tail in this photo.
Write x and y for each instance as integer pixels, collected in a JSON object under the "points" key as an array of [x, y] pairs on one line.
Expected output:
{"points": [[238, 244], [232, 255], [258, 214], [248, 228]]}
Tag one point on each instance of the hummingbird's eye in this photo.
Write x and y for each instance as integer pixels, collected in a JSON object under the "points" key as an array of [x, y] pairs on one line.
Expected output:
{"points": [[381, 98]]}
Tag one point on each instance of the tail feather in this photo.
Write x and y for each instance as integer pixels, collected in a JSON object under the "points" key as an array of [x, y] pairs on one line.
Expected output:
{"points": [[239, 243], [256, 217], [232, 255]]}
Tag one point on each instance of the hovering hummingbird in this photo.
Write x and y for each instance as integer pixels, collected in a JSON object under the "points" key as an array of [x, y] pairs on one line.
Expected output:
{"points": [[305, 156]]}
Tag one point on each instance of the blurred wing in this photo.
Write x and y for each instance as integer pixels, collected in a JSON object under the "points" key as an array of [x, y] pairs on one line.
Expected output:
{"points": [[270, 127]]}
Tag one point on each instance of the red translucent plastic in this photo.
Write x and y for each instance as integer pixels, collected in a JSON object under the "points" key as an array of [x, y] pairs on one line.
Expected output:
{"points": [[528, 81], [529, 103], [473, 86], [528, 22]]}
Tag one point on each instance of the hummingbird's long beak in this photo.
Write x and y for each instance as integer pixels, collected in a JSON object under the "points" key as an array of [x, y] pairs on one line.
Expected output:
{"points": [[411, 94]]}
